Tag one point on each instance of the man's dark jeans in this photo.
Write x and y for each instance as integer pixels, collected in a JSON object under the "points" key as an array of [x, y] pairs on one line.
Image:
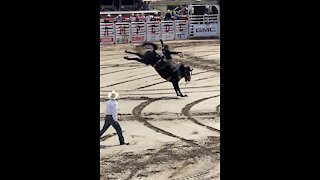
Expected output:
{"points": [[109, 121]]}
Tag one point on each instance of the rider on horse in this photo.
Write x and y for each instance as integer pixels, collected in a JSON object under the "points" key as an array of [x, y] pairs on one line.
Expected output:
{"points": [[168, 58]]}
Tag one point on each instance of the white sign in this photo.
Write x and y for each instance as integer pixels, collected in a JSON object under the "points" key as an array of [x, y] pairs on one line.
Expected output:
{"points": [[167, 28], [153, 31], [106, 33], [122, 32], [181, 29], [205, 30], [138, 32]]}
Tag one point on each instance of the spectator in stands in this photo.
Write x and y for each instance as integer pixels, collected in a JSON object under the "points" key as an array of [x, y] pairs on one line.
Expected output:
{"points": [[184, 11], [136, 6], [149, 5], [145, 5], [118, 18], [168, 15], [132, 18], [142, 17], [148, 18], [137, 17], [177, 16], [108, 19], [173, 12]]}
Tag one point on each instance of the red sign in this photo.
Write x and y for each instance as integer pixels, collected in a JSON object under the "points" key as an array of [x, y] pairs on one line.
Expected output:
{"points": [[167, 28], [122, 30], [138, 38], [153, 31], [138, 28], [106, 40]]}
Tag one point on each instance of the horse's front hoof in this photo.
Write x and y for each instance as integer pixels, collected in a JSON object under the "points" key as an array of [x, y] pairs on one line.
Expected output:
{"points": [[126, 51], [184, 95], [126, 57]]}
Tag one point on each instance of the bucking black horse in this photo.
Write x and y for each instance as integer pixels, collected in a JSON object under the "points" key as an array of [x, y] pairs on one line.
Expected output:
{"points": [[164, 69]]}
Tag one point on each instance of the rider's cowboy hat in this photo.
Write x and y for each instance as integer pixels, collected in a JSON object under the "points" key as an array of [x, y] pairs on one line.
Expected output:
{"points": [[113, 95]]}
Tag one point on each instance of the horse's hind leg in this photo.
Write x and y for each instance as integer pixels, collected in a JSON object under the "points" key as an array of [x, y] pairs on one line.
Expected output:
{"points": [[129, 52], [136, 59]]}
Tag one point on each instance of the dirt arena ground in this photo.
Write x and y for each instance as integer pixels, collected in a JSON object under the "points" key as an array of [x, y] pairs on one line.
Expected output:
{"points": [[170, 137]]}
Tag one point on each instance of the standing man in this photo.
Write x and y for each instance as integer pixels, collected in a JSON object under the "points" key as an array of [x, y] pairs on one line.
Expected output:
{"points": [[112, 116]]}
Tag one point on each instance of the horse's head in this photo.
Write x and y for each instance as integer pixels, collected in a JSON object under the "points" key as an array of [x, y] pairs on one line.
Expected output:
{"points": [[188, 73]]}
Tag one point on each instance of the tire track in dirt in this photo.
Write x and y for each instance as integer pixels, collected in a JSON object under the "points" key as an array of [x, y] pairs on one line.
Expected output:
{"points": [[197, 175], [163, 89], [201, 79], [200, 63], [166, 154], [164, 93], [144, 164], [136, 75], [143, 78], [120, 71], [135, 98], [122, 65], [128, 81], [103, 138], [186, 111], [137, 114]]}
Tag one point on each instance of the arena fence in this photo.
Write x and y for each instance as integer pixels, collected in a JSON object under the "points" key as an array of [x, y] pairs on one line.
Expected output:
{"points": [[133, 32]]}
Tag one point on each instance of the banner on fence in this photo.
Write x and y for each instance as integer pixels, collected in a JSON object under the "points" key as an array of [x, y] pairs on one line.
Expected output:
{"points": [[181, 29], [153, 31], [138, 32], [122, 32], [167, 30], [107, 33], [205, 30]]}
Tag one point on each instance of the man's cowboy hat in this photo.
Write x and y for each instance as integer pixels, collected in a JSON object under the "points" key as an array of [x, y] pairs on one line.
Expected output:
{"points": [[113, 95]]}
